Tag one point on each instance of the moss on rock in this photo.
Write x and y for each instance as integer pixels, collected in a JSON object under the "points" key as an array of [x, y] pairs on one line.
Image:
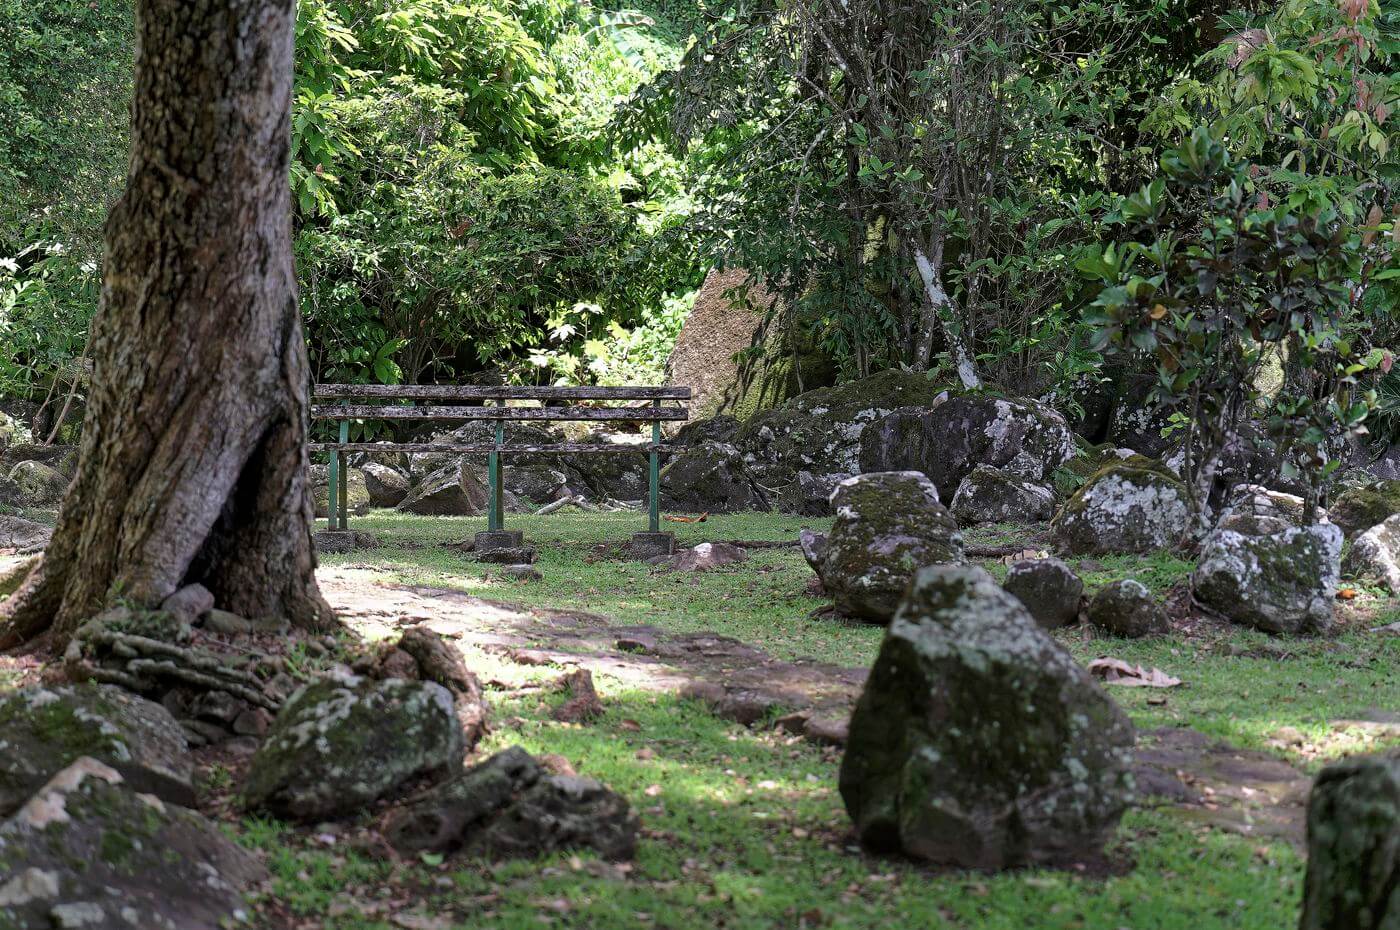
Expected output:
{"points": [[1129, 505]]}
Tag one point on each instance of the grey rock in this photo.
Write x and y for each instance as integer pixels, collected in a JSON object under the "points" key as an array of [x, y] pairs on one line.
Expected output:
{"points": [[450, 491], [995, 495], [189, 603], [43, 730], [139, 862], [340, 744], [39, 485], [387, 487], [1376, 554], [1049, 589], [508, 807], [1280, 583], [23, 536], [706, 556], [888, 526], [1126, 608], [1130, 506], [947, 441], [1353, 878], [978, 741], [710, 478], [358, 501]]}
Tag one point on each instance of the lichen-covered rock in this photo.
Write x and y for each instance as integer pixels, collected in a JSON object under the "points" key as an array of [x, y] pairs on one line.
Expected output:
{"points": [[809, 495], [358, 501], [387, 487], [23, 536], [39, 485], [1353, 880], [722, 428], [995, 495], [45, 729], [450, 491], [619, 476], [1376, 554], [710, 478], [340, 744], [88, 850], [1358, 508], [509, 807], [1126, 608], [1133, 505], [888, 526], [1049, 589], [820, 432], [1254, 510], [1279, 583], [978, 742], [947, 440]]}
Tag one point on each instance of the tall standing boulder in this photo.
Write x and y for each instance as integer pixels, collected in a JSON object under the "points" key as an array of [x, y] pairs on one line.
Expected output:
{"points": [[1133, 505], [1353, 880], [947, 440], [1283, 583], [978, 741], [888, 526]]}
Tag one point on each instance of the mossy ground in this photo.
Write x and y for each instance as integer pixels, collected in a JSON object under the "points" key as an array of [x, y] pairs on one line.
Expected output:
{"points": [[744, 828]]}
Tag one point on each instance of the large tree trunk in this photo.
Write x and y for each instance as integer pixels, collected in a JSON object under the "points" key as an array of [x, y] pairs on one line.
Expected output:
{"points": [[193, 465]]}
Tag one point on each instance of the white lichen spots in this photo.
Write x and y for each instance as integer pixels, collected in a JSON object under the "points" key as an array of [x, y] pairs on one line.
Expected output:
{"points": [[36, 698], [50, 804], [152, 802], [29, 885], [76, 914]]}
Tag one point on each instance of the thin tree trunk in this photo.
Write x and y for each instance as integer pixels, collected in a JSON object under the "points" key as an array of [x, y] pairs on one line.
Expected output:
{"points": [[192, 466], [939, 314]]}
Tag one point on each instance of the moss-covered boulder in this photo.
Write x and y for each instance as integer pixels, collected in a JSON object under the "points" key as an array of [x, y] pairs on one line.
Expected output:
{"points": [[23, 536], [1279, 583], [997, 495], [38, 484], [1048, 588], [358, 501], [1376, 554], [45, 729], [888, 526], [342, 743], [1353, 880], [508, 807], [1358, 508], [978, 742], [711, 477], [89, 850], [947, 440], [1131, 505], [386, 486], [819, 432], [1126, 608]]}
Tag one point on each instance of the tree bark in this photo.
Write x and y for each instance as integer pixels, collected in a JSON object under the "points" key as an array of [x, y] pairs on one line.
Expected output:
{"points": [[939, 315], [192, 466]]}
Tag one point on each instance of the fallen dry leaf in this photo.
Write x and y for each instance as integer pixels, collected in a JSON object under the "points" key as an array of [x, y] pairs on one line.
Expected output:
{"points": [[1118, 672], [700, 519], [1346, 594]]}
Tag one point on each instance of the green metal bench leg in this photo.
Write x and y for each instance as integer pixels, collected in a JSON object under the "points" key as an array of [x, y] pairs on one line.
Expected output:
{"points": [[333, 491], [496, 516], [654, 493], [345, 480]]}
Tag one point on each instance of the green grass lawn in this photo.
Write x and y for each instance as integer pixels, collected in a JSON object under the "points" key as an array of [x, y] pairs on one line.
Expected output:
{"points": [[744, 828]]}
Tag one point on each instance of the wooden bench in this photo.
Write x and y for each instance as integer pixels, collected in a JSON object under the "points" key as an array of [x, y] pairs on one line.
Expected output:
{"points": [[345, 402]]}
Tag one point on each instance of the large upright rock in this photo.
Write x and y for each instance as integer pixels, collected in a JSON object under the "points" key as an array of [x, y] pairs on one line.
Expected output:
{"points": [[888, 526], [44, 729], [820, 432], [947, 440], [978, 741], [450, 491], [340, 744], [89, 851], [1279, 583], [1353, 880], [1134, 505]]}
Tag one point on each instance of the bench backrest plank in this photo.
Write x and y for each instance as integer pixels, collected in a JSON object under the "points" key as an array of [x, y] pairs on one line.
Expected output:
{"points": [[495, 392], [624, 414]]}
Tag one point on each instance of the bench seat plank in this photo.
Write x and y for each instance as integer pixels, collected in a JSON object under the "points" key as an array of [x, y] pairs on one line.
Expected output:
{"points": [[495, 392], [558, 448], [625, 414]]}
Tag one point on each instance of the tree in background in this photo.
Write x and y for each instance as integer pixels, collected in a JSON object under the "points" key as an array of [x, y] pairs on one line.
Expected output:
{"points": [[192, 466]]}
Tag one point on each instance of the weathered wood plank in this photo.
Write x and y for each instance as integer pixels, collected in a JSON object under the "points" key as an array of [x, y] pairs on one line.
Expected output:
{"points": [[495, 392], [625, 414], [558, 448]]}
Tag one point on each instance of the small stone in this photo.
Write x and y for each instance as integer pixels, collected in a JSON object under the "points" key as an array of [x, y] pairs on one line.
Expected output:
{"points": [[524, 555], [253, 722], [521, 573], [706, 556], [1126, 608], [1049, 588], [189, 603]]}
